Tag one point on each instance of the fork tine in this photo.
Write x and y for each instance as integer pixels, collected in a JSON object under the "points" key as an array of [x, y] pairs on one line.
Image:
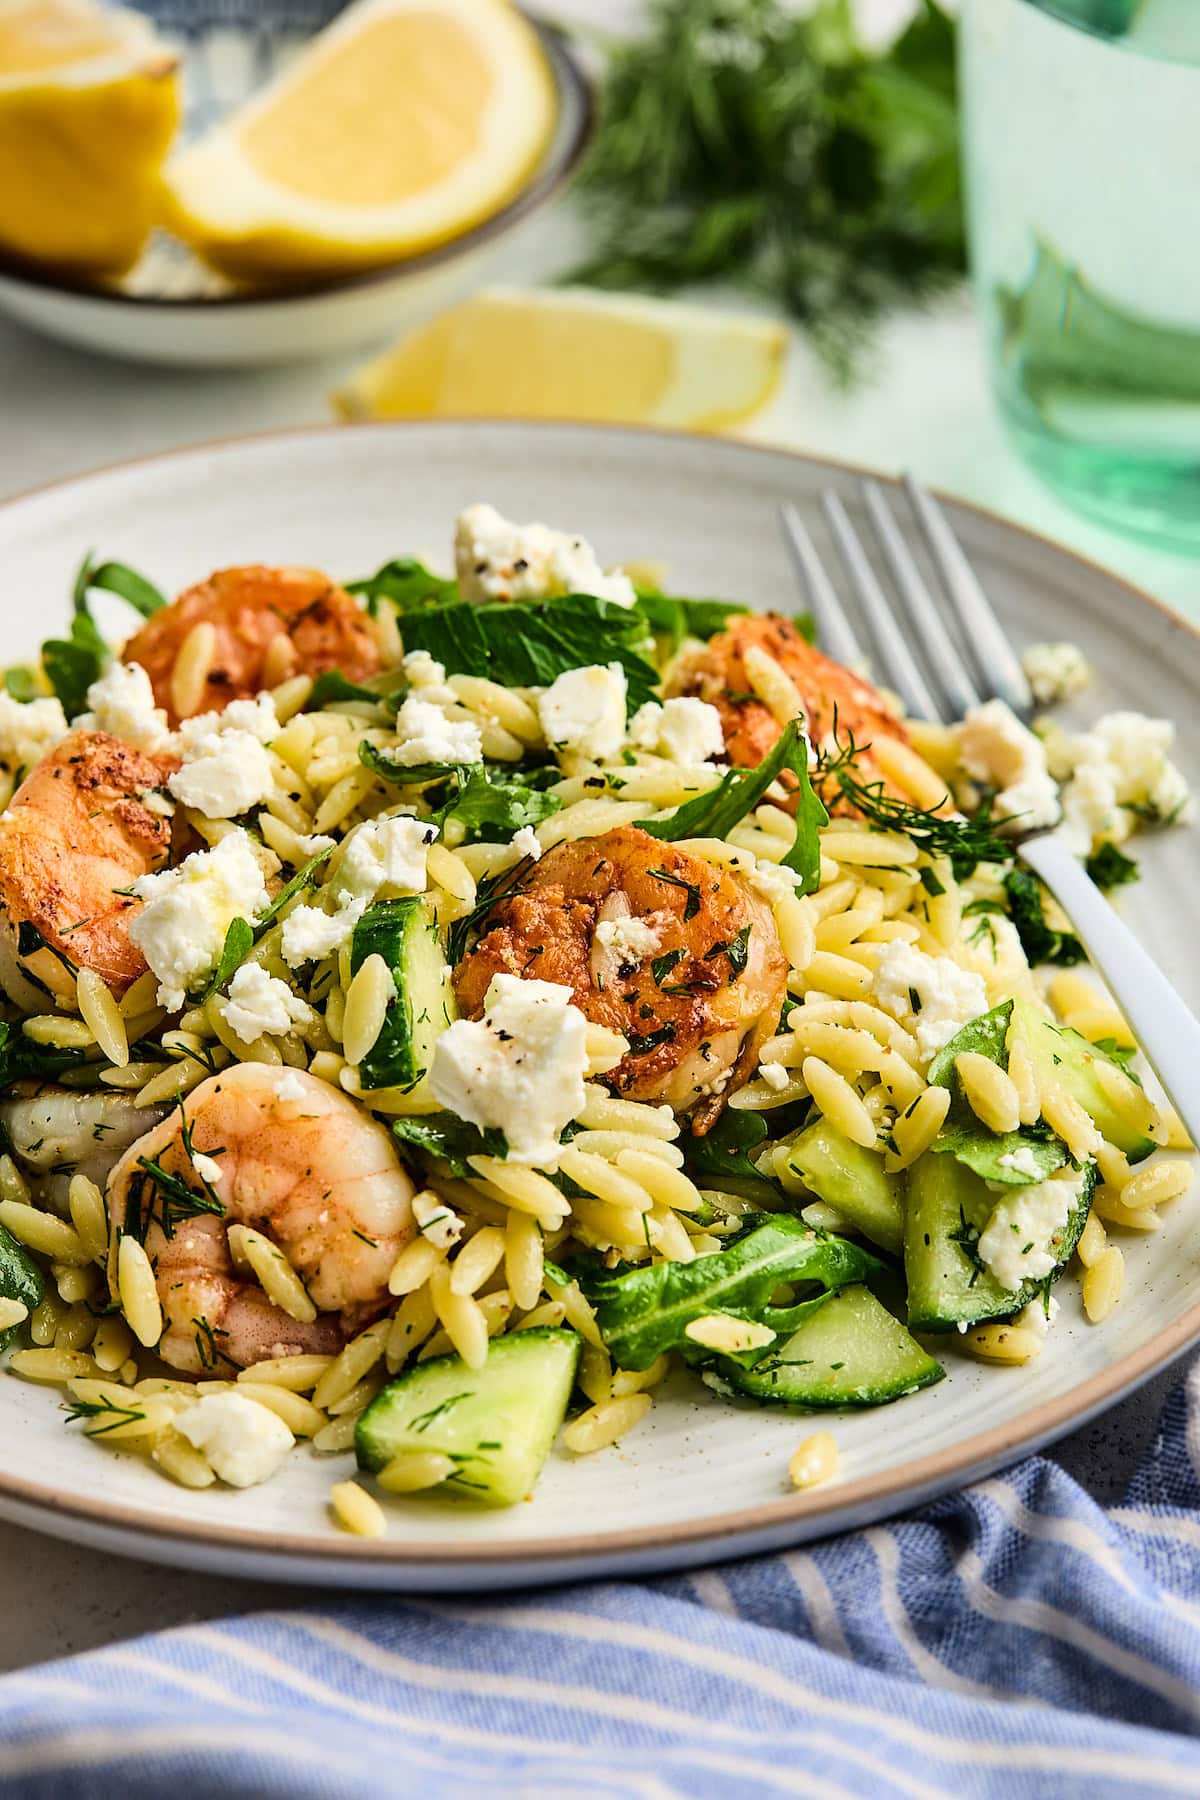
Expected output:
{"points": [[833, 627], [991, 651], [949, 671], [895, 657]]}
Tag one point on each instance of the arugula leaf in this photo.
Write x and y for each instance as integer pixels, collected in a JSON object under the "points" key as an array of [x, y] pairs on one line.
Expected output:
{"points": [[21, 683], [531, 644], [490, 807], [407, 774], [986, 1036], [1040, 943], [21, 1059], [725, 1150], [1110, 868], [715, 813], [965, 1137], [450, 1138], [242, 934], [408, 584], [645, 1312], [677, 619], [301, 879], [74, 662], [118, 578], [20, 1279], [331, 686]]}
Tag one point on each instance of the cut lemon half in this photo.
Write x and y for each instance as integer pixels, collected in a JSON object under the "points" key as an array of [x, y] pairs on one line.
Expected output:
{"points": [[572, 353], [403, 124], [89, 103]]}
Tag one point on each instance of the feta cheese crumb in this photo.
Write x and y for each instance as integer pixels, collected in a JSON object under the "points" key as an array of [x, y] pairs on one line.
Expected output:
{"points": [[243, 1443], [309, 933], [947, 996], [436, 1220], [225, 769], [1119, 772], [525, 843], [1021, 1161], [1038, 1317], [385, 854], [999, 752], [629, 939], [289, 1086], [261, 1005], [206, 1167], [773, 880], [584, 711], [421, 671], [497, 560], [122, 703], [1015, 1243], [29, 729], [427, 736], [519, 1069], [684, 730], [1056, 671], [188, 909], [774, 1074]]}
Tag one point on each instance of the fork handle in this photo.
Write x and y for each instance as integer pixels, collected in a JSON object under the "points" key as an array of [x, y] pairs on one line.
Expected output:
{"points": [[1167, 1031]]}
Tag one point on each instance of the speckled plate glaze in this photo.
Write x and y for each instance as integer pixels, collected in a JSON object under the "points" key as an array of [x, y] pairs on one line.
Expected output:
{"points": [[699, 1479]]}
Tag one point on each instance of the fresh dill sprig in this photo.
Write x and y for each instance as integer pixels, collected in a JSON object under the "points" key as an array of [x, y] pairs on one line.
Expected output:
{"points": [[966, 842], [95, 1409]]}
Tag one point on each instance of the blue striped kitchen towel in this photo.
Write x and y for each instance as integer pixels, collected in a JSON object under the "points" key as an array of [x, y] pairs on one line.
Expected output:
{"points": [[1012, 1640]]}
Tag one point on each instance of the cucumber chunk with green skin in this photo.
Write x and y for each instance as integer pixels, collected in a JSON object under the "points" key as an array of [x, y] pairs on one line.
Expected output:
{"points": [[853, 1181], [948, 1207], [20, 1279], [1063, 1056], [402, 932], [849, 1351], [497, 1423]]}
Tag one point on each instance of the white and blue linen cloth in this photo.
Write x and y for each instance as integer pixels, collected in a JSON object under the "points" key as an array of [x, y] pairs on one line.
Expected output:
{"points": [[1014, 1640]]}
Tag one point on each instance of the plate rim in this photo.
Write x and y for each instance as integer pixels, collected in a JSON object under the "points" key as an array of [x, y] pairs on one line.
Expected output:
{"points": [[879, 1493], [576, 91]]}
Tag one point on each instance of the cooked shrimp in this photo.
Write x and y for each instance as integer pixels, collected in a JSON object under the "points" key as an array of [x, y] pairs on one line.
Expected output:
{"points": [[56, 1133], [676, 955], [314, 1174], [77, 832], [719, 675], [269, 624]]}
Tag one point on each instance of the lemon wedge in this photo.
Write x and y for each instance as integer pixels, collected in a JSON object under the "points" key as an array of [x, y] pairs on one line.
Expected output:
{"points": [[89, 103], [573, 353], [400, 126]]}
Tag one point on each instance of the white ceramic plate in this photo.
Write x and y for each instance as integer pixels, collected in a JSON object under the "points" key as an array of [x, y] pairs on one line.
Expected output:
{"points": [[700, 1478]]}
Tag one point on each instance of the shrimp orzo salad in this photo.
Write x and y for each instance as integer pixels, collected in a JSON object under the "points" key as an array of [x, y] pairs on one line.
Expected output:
{"points": [[436, 1009]]}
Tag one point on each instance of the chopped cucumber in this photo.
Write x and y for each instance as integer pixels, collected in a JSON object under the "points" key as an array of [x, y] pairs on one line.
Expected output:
{"points": [[851, 1180], [948, 1206], [849, 1351], [1063, 1056], [496, 1423], [20, 1279], [402, 932]]}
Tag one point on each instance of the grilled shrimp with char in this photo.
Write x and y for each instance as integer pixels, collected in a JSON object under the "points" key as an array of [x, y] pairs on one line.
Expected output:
{"points": [[718, 673], [306, 1167], [267, 623], [82, 826], [676, 955]]}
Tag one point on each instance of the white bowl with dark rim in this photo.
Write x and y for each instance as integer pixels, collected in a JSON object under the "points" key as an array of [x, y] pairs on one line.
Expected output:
{"points": [[171, 309]]}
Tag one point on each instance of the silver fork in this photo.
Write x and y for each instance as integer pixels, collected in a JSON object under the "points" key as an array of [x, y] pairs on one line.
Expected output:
{"points": [[939, 677]]}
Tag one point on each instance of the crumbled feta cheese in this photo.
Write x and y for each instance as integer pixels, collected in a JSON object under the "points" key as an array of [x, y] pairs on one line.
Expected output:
{"points": [[629, 939], [1039, 1315], [309, 933], [525, 843], [225, 769], [188, 909], [261, 1005], [947, 997], [436, 1221], [206, 1167], [313, 842], [122, 703], [257, 716], [497, 560], [1015, 1243], [685, 730], [1021, 1161], [584, 711], [774, 881], [1056, 672], [427, 736], [997, 751], [385, 854], [774, 1074], [421, 671], [519, 1069], [242, 1442], [1119, 772], [289, 1086], [29, 729]]}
